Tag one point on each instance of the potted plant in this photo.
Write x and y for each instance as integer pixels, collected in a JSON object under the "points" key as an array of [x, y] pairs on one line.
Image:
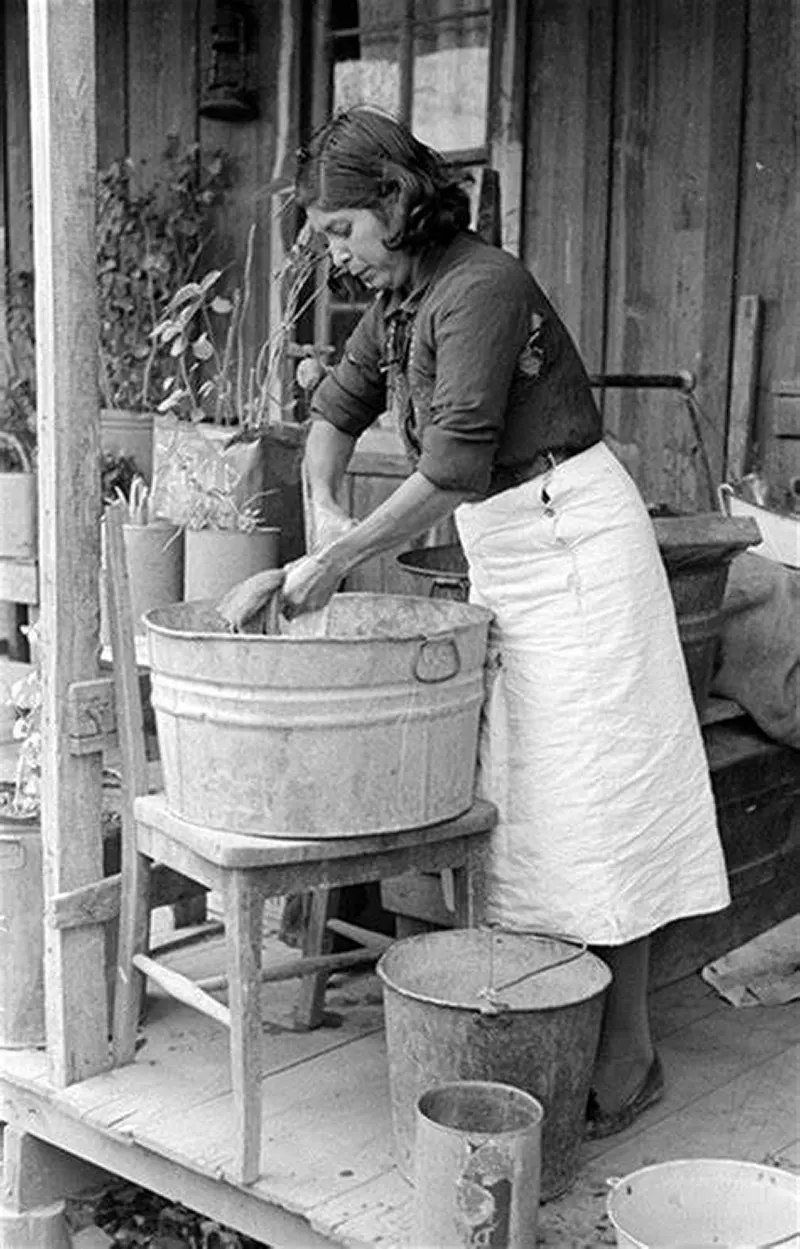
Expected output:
{"points": [[18, 538], [21, 897], [220, 405], [153, 555], [150, 237]]}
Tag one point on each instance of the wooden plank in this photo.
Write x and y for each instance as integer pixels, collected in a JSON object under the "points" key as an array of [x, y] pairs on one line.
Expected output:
{"points": [[507, 118], [63, 128], [243, 913], [744, 386], [567, 148], [769, 216], [19, 581], [250, 148], [162, 77], [16, 85], [672, 233], [297, 967], [97, 903], [746, 1117], [244, 1211], [317, 940], [37, 1174], [111, 20], [239, 850], [182, 989], [134, 920]]}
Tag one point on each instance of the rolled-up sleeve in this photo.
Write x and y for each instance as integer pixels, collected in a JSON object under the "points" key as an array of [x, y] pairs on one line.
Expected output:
{"points": [[479, 331], [353, 394]]}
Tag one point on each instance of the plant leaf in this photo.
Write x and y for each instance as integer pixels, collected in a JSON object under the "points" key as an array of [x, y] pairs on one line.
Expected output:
{"points": [[202, 348]]}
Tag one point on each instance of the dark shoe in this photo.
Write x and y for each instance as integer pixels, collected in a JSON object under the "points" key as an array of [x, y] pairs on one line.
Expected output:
{"points": [[650, 1091]]}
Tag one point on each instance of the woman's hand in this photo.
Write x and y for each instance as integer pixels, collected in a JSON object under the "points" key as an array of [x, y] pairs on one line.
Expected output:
{"points": [[310, 583], [249, 597]]}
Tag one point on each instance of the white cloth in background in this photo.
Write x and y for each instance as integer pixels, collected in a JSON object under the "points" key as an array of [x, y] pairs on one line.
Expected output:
{"points": [[590, 746]]}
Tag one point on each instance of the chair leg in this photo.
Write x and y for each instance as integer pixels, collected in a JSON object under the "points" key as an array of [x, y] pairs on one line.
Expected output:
{"points": [[134, 938], [470, 887], [243, 908], [309, 1007]]}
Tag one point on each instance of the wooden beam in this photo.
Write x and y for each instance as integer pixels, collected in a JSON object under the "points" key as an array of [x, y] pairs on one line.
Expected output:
{"points": [[61, 52], [36, 1174], [507, 114], [97, 903], [744, 386], [182, 989]]}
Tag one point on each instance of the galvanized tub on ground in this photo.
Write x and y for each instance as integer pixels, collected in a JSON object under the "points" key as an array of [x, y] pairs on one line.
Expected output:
{"points": [[538, 1031], [697, 1203], [369, 728]]}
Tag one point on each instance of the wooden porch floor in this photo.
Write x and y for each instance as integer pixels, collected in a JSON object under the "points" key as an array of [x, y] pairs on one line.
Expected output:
{"points": [[165, 1122]]}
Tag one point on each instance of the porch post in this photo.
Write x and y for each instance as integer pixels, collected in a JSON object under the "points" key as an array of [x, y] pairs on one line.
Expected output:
{"points": [[62, 74]]}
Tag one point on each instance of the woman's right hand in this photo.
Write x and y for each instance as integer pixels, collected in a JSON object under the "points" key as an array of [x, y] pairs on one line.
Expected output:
{"points": [[248, 598]]}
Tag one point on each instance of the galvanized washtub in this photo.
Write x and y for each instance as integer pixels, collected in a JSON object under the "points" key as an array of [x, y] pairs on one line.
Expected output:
{"points": [[697, 552], [370, 727]]}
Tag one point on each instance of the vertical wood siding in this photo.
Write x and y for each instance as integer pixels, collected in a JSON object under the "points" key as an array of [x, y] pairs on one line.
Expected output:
{"points": [[672, 230], [660, 182], [768, 250], [570, 75]]}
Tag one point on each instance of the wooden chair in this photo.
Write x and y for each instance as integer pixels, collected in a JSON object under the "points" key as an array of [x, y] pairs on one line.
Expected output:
{"points": [[247, 870]]}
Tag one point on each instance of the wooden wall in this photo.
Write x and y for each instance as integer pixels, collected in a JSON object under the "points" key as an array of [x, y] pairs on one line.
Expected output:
{"points": [[151, 59], [662, 184]]}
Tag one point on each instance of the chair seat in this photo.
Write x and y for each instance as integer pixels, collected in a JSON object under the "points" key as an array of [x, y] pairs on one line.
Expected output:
{"points": [[239, 850]]}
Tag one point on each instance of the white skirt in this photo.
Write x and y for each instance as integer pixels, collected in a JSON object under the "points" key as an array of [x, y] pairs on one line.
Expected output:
{"points": [[590, 743]]}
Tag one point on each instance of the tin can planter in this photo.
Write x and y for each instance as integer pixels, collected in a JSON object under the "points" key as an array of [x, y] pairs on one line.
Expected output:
{"points": [[217, 559], [18, 538], [154, 558], [22, 1023]]}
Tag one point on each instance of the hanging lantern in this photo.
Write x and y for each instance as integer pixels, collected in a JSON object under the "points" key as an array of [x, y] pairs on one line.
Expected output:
{"points": [[226, 95]]}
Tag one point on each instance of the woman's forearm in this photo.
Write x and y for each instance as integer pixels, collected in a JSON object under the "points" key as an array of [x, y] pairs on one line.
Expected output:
{"points": [[327, 455], [415, 506]]}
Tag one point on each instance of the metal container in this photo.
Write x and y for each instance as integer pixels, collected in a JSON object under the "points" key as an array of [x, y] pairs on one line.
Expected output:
{"points": [[481, 1004], [478, 1162], [369, 728], [22, 1021], [697, 552], [217, 559], [702, 1202]]}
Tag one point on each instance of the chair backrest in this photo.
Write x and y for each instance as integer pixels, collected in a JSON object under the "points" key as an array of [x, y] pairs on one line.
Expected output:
{"points": [[127, 691]]}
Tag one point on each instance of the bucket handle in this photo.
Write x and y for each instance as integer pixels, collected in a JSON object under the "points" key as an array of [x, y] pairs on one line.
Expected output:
{"points": [[428, 669], [19, 447], [491, 1003]]}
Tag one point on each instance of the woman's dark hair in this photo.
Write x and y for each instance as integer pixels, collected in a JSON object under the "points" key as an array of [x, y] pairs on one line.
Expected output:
{"points": [[365, 159]]}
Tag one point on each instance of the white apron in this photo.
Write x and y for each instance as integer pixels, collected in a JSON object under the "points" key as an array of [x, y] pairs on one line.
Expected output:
{"points": [[590, 744]]}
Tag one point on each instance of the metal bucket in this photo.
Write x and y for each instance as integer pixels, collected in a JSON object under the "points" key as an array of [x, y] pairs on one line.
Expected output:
{"points": [[154, 559], [479, 1004], [699, 1203], [215, 560], [697, 552], [22, 1022], [478, 1161], [371, 727]]}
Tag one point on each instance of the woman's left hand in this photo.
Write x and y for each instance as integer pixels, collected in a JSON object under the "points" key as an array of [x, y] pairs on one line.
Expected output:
{"points": [[310, 583]]}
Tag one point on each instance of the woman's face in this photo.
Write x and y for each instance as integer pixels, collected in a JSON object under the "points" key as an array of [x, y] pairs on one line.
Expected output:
{"points": [[356, 239]]}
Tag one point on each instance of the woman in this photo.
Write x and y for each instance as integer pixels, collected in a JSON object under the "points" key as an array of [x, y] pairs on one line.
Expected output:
{"points": [[591, 748]]}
